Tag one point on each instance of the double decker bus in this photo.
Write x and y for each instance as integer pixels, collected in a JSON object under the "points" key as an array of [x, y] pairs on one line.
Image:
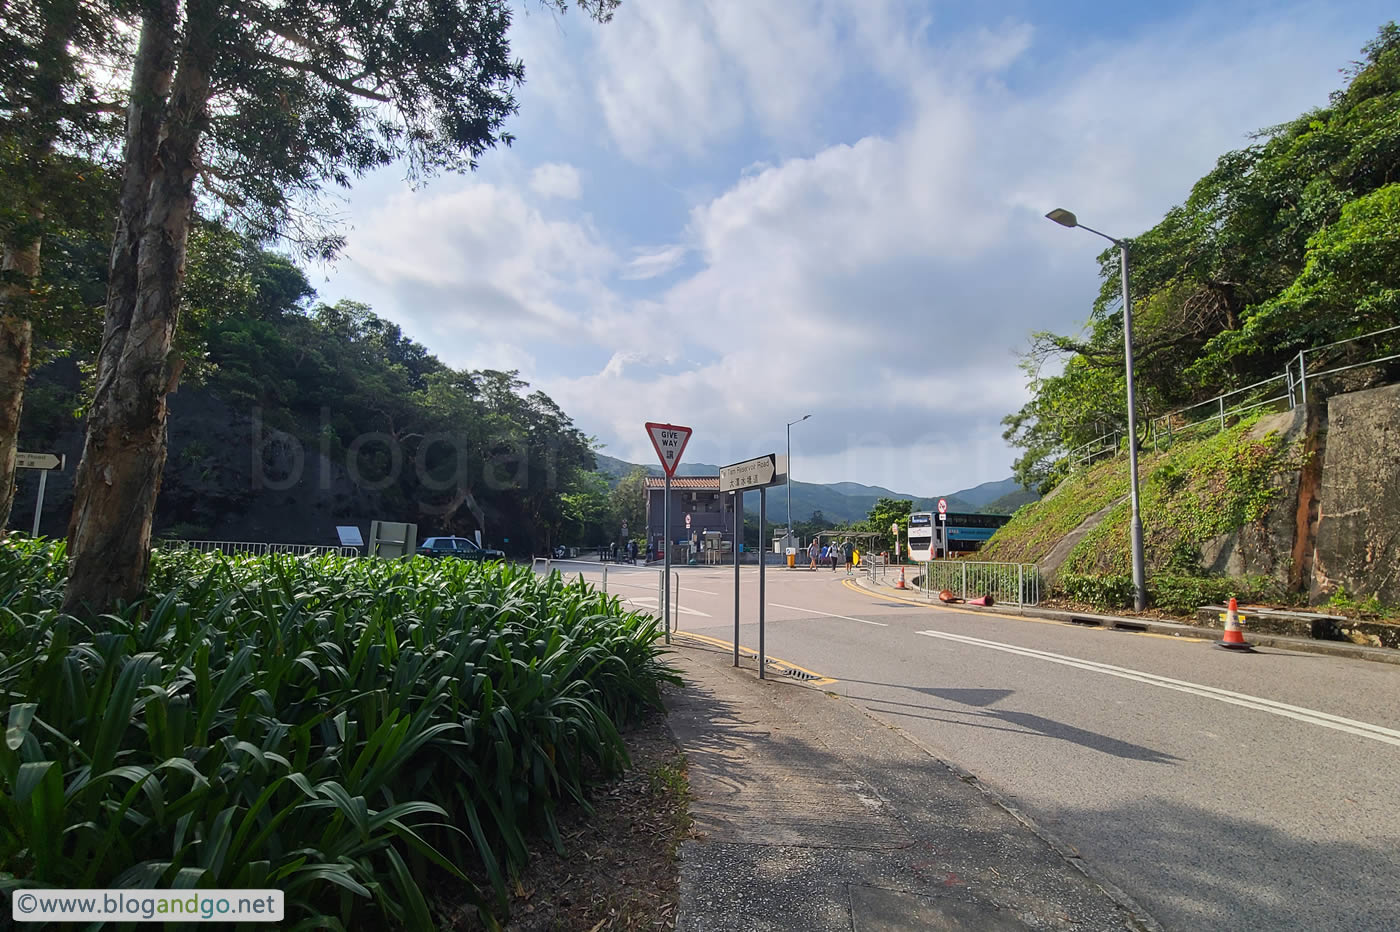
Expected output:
{"points": [[958, 533]]}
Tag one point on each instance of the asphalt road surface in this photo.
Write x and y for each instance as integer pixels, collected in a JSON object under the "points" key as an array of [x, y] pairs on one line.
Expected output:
{"points": [[1222, 791]]}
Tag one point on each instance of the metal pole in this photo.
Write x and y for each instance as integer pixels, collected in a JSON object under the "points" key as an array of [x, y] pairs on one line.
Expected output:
{"points": [[1303, 376], [1222, 412], [738, 516], [1139, 571], [605, 579], [762, 562], [39, 505], [789, 482], [666, 560], [964, 579]]}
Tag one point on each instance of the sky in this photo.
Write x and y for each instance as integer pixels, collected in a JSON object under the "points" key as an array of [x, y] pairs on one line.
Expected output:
{"points": [[726, 214]]}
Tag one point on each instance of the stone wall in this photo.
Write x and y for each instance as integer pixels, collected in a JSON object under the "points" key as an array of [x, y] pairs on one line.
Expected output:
{"points": [[1358, 524]]}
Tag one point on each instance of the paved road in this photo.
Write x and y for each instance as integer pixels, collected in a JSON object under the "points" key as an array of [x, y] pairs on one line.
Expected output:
{"points": [[1222, 791]]}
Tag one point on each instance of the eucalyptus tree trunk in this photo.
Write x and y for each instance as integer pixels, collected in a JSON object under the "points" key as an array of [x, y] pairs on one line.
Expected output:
{"points": [[16, 340], [124, 452]]}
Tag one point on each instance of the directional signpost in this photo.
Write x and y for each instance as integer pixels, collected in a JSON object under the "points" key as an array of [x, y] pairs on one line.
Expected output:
{"points": [[42, 462], [669, 441], [757, 473]]}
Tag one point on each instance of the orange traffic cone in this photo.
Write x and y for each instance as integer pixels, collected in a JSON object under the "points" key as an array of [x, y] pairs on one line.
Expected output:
{"points": [[1234, 637], [900, 584]]}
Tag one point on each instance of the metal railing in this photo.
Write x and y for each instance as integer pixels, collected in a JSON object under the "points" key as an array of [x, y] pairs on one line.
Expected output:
{"points": [[1104, 445], [1305, 373], [243, 548], [588, 568], [1011, 583]]}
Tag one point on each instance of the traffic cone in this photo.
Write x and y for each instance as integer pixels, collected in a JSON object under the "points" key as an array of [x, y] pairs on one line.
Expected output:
{"points": [[900, 584], [1234, 637]]}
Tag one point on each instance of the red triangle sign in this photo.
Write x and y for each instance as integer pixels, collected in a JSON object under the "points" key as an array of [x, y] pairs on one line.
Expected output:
{"points": [[669, 441]]}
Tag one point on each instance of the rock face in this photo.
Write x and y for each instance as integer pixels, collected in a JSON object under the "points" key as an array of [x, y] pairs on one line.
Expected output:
{"points": [[1358, 529], [1267, 547]]}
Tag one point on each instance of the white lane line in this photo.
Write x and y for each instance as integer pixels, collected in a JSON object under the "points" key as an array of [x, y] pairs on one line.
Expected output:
{"points": [[1299, 713], [654, 605], [813, 611]]}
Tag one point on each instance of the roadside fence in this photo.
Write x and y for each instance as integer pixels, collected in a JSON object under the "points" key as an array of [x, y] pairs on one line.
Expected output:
{"points": [[241, 548], [1012, 583], [625, 577]]}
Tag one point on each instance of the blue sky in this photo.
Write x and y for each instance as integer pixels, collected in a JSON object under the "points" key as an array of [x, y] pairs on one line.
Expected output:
{"points": [[728, 214]]}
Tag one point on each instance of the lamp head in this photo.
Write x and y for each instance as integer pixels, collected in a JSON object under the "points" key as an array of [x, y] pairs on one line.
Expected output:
{"points": [[1063, 217]]}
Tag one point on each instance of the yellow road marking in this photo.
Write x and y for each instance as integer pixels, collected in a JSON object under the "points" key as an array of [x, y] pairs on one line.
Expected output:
{"points": [[855, 587], [753, 654]]}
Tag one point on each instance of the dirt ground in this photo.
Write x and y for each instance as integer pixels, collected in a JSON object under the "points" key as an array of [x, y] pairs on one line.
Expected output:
{"points": [[619, 868]]}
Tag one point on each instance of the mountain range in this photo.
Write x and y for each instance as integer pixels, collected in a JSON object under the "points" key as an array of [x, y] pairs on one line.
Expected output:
{"points": [[847, 501]]}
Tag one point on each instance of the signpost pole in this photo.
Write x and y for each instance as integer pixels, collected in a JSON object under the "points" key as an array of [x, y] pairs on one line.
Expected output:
{"points": [[666, 559], [738, 524], [762, 562], [39, 505]]}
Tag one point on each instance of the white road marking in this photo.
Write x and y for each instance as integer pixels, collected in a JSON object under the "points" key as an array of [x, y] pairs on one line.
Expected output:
{"points": [[796, 608], [1311, 716], [655, 604]]}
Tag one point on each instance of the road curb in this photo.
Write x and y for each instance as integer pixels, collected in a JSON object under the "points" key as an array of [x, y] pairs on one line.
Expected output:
{"points": [[1154, 626]]}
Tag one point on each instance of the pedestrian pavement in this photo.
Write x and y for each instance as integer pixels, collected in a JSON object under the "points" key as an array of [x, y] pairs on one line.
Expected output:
{"points": [[810, 813]]}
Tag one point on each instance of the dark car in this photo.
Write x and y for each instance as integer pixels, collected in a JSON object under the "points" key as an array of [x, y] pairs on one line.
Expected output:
{"points": [[463, 548]]}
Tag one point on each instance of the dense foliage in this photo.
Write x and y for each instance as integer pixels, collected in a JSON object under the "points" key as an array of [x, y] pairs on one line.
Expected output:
{"points": [[339, 729], [454, 450], [1287, 244]]}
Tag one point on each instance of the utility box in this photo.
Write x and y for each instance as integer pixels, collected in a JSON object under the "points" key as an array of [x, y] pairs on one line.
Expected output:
{"points": [[392, 539]]}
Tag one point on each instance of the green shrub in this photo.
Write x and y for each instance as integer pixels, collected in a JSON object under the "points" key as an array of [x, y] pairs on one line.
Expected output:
{"points": [[1182, 595], [1101, 591], [331, 727]]}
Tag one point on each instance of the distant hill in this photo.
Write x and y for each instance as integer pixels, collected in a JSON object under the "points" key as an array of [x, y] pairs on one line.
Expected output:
{"points": [[845, 501]]}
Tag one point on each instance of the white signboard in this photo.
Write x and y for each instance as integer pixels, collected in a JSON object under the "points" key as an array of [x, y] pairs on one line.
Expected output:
{"points": [[687, 522], [750, 474], [669, 441], [38, 461], [349, 535]]}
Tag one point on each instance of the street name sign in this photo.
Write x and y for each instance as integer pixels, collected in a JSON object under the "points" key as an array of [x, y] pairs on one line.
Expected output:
{"points": [[38, 461], [669, 441], [757, 473], [349, 535]]}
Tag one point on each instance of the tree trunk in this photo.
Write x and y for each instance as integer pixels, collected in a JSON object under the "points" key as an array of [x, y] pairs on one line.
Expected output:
{"points": [[124, 451], [16, 335]]}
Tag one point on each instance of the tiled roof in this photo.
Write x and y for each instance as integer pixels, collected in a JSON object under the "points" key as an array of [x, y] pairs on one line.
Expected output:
{"points": [[706, 483]]}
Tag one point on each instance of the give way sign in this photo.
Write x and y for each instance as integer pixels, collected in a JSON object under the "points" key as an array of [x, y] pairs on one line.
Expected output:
{"points": [[669, 441]]}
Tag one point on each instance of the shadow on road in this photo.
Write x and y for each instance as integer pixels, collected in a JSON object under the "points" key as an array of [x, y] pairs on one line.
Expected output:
{"points": [[1021, 722]]}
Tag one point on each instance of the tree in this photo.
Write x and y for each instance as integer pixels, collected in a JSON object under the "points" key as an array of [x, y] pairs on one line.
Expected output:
{"points": [[887, 512], [1285, 244], [52, 123], [253, 107], [629, 501]]}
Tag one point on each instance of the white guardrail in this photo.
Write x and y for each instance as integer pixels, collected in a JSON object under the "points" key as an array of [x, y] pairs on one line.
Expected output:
{"points": [[597, 572], [243, 548], [1009, 583]]}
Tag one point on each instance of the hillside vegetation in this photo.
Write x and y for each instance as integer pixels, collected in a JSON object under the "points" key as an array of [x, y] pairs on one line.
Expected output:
{"points": [[1287, 244], [1190, 495]]}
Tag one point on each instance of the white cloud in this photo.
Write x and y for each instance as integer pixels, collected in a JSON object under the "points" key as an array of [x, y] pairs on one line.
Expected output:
{"points": [[882, 282], [652, 263], [554, 179]]}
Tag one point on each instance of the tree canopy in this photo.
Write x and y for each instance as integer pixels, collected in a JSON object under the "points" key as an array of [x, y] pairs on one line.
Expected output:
{"points": [[1286, 244]]}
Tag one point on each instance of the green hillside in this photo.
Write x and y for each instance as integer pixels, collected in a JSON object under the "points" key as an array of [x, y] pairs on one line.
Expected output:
{"points": [[1190, 495]]}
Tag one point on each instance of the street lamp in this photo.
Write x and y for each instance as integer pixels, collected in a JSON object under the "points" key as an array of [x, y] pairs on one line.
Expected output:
{"points": [[789, 469], [1067, 219]]}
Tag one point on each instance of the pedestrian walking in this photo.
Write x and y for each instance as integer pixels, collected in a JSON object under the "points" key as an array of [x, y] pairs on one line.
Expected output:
{"points": [[849, 552], [814, 551]]}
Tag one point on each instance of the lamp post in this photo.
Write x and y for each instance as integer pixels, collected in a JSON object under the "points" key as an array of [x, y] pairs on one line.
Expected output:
{"points": [[1067, 219], [789, 470]]}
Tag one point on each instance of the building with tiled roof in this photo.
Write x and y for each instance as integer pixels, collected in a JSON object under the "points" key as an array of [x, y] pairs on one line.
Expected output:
{"points": [[697, 506]]}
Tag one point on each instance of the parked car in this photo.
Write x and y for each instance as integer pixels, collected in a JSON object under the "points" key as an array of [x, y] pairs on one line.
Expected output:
{"points": [[463, 548]]}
